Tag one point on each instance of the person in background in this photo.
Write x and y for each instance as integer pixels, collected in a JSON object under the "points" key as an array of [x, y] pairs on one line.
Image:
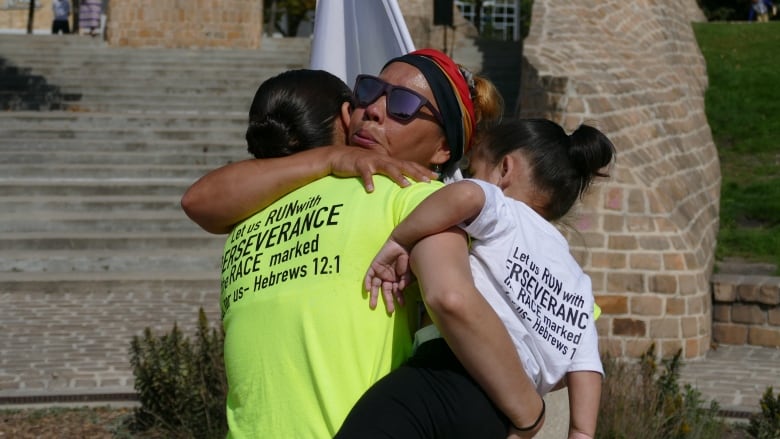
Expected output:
{"points": [[61, 21], [760, 10], [89, 16]]}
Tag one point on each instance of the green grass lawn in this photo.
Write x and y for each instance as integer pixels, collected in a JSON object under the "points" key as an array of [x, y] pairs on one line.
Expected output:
{"points": [[743, 109]]}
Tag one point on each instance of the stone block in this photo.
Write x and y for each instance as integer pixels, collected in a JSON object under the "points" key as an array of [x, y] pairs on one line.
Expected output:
{"points": [[669, 348], [690, 326], [729, 333], [769, 293], [636, 202], [635, 348], [613, 304], [675, 306], [625, 282], [748, 291], [674, 262], [663, 283], [603, 325], [622, 242], [773, 316], [721, 313], [692, 284], [647, 305], [697, 304], [748, 314], [697, 347], [723, 291], [769, 337], [611, 346], [645, 261], [668, 327], [614, 223], [629, 327], [640, 223]]}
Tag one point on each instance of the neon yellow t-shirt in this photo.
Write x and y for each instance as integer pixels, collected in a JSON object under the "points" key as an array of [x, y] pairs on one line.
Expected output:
{"points": [[301, 344]]}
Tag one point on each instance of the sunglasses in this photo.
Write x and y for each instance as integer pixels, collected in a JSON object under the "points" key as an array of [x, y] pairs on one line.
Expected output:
{"points": [[403, 104]]}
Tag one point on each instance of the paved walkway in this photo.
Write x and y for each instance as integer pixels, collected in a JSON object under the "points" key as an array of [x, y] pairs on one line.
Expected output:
{"points": [[734, 376]]}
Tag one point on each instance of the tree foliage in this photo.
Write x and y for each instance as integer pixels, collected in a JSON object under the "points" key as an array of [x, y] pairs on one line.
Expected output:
{"points": [[285, 16], [725, 10]]}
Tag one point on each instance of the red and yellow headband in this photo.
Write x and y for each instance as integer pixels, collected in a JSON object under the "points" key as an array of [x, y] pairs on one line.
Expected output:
{"points": [[452, 93]]}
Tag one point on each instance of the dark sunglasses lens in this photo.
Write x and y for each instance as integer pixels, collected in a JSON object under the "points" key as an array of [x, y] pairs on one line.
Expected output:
{"points": [[367, 90], [402, 104]]}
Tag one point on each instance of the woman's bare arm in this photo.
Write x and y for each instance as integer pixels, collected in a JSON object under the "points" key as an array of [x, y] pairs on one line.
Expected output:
{"points": [[472, 329], [232, 193]]}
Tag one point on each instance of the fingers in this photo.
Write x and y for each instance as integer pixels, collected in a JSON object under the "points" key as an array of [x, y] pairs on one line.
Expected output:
{"points": [[387, 293], [399, 296], [368, 181], [374, 292]]}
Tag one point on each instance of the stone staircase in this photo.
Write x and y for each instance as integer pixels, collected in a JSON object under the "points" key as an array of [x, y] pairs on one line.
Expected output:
{"points": [[94, 246]]}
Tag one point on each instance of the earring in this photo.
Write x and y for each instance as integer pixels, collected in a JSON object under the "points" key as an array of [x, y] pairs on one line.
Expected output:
{"points": [[437, 168]]}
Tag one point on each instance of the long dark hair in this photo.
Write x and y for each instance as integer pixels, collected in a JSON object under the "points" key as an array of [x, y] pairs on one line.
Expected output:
{"points": [[562, 166], [294, 111]]}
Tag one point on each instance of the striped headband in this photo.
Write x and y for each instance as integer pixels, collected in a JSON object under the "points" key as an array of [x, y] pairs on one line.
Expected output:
{"points": [[452, 94]]}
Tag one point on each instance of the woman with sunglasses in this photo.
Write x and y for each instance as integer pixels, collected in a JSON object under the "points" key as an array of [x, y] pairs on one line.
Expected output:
{"points": [[309, 346]]}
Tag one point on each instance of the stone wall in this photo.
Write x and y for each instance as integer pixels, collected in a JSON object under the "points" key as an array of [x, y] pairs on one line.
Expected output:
{"points": [[746, 310], [13, 16], [185, 23], [647, 235]]}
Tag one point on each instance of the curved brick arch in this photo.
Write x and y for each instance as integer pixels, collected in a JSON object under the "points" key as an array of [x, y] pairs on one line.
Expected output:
{"points": [[647, 236]]}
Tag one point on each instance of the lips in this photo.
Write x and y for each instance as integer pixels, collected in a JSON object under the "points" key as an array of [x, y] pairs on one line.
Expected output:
{"points": [[365, 139]]}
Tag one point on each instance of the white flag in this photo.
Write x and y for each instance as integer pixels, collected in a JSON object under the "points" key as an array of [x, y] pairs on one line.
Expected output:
{"points": [[358, 36]]}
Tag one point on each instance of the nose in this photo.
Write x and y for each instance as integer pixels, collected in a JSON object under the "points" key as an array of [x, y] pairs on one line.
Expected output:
{"points": [[375, 111]]}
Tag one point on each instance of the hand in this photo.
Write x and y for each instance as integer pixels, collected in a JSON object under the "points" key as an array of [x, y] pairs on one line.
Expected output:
{"points": [[390, 271], [352, 161]]}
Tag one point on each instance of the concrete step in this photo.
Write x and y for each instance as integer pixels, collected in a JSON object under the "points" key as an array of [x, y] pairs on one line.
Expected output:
{"points": [[175, 80], [94, 246], [103, 170], [108, 132], [190, 159], [67, 119], [229, 147], [90, 240], [90, 187], [140, 260], [115, 221], [71, 203]]}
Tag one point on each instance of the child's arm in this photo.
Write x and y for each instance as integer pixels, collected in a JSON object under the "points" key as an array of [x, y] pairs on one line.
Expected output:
{"points": [[449, 206], [584, 397]]}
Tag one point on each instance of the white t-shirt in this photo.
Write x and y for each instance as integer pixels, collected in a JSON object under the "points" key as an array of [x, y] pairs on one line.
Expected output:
{"points": [[522, 265]]}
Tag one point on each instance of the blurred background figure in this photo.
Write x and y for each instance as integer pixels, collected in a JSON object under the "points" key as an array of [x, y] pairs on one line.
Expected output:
{"points": [[760, 10], [89, 16], [61, 22]]}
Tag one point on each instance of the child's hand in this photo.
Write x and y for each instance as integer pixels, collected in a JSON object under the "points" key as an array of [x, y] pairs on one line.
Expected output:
{"points": [[389, 271]]}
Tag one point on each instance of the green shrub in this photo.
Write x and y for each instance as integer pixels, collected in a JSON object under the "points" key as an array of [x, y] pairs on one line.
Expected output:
{"points": [[644, 399], [181, 384], [766, 425]]}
